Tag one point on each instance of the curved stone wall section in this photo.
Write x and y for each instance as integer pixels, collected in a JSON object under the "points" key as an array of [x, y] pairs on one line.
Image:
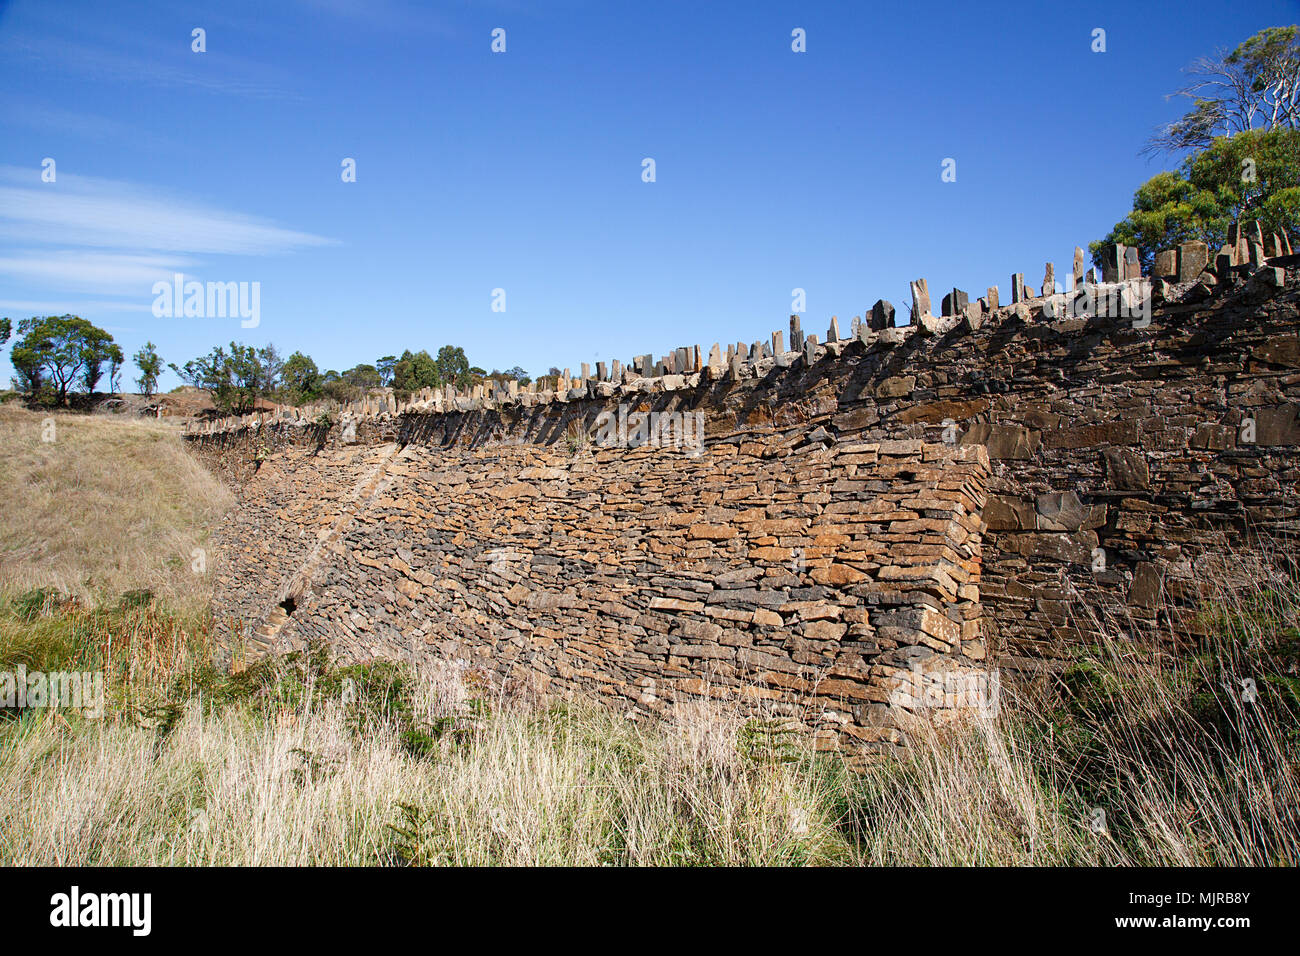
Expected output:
{"points": [[813, 583]]}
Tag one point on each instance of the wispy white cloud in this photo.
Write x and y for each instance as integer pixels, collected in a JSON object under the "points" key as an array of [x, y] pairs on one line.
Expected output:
{"points": [[84, 236], [106, 273], [86, 211]]}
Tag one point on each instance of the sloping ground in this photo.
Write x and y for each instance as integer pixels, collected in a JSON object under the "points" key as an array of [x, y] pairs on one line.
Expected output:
{"points": [[97, 506]]}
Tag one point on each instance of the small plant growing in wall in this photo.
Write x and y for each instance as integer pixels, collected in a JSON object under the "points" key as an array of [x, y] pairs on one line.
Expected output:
{"points": [[576, 439], [321, 426]]}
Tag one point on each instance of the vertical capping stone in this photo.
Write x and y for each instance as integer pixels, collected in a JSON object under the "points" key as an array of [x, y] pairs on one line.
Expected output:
{"points": [[1078, 267], [1049, 280], [882, 315], [920, 300], [992, 297], [1255, 232], [1132, 264], [1112, 262], [954, 302], [1237, 239], [1166, 264], [796, 334], [833, 333], [1017, 287], [778, 343], [1223, 262], [810, 350], [1192, 259]]}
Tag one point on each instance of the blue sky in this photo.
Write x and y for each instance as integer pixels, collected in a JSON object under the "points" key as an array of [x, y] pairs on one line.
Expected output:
{"points": [[522, 170]]}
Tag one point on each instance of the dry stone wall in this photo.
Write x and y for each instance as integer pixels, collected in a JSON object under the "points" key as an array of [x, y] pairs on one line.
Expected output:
{"points": [[802, 582], [978, 486]]}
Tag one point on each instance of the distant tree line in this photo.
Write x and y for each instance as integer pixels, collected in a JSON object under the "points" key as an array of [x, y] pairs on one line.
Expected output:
{"points": [[58, 355], [236, 377]]}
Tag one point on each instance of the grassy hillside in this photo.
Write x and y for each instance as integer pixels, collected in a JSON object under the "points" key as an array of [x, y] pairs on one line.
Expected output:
{"points": [[105, 506]]}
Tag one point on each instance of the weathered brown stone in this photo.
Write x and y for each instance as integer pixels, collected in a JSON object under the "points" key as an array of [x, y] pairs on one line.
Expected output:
{"points": [[1192, 260], [1092, 436], [1145, 591], [1003, 441], [1166, 264], [896, 386], [711, 532], [1279, 350], [1008, 514], [1061, 511], [1278, 425], [1073, 548], [936, 412], [1127, 470]]}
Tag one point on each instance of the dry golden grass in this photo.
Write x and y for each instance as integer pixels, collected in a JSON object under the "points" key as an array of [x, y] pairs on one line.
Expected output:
{"points": [[110, 505], [1144, 763], [279, 785]]}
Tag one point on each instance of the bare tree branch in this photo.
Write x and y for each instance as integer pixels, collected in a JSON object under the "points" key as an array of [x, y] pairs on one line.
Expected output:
{"points": [[1255, 86]]}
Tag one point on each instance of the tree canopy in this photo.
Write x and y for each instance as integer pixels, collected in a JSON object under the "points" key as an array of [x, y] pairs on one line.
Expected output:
{"points": [[61, 350], [1253, 175], [1242, 139], [301, 378], [149, 363], [234, 379]]}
